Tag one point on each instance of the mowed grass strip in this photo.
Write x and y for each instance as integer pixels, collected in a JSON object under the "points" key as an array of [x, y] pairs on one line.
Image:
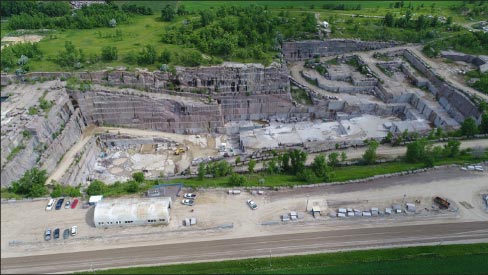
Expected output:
{"points": [[339, 174], [442, 259]]}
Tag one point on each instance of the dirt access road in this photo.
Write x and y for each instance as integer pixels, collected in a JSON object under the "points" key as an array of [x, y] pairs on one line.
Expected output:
{"points": [[287, 244]]}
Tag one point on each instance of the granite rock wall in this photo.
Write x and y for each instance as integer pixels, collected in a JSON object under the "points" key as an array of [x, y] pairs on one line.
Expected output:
{"points": [[83, 166], [51, 136], [454, 101], [302, 50], [147, 111]]}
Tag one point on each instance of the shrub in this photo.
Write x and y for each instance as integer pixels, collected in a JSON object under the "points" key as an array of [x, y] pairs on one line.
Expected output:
{"points": [[96, 187], [237, 180], [138, 177], [369, 156], [31, 184]]}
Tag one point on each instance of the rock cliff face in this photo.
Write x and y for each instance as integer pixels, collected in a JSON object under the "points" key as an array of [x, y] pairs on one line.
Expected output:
{"points": [[236, 78], [480, 61], [84, 165], [302, 50], [454, 101], [50, 136], [143, 110]]}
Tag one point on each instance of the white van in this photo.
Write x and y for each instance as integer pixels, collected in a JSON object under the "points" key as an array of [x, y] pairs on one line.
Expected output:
{"points": [[74, 230], [50, 204]]}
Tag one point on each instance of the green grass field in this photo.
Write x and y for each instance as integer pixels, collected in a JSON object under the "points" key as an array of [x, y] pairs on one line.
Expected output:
{"points": [[143, 30], [450, 259], [140, 31]]}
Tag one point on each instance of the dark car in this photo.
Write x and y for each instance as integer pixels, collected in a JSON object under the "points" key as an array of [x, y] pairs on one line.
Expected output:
{"points": [[75, 202], [56, 233], [65, 233], [59, 204]]}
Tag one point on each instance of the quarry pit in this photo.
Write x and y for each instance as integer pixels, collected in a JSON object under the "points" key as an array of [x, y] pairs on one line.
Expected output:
{"points": [[354, 91]]}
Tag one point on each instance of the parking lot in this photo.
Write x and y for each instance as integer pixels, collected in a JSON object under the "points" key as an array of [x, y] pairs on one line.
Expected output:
{"points": [[220, 215]]}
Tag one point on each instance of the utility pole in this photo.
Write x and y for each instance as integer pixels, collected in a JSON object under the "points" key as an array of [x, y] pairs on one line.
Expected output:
{"points": [[270, 257], [306, 204]]}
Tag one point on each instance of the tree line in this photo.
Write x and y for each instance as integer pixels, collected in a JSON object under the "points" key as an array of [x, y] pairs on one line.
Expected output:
{"points": [[92, 16], [19, 55], [236, 31], [48, 8]]}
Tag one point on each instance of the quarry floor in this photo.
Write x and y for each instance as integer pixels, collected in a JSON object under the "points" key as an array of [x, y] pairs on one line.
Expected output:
{"points": [[203, 146], [223, 216]]}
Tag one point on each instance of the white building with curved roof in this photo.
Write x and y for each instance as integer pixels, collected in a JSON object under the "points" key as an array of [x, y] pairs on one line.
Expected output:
{"points": [[134, 211]]}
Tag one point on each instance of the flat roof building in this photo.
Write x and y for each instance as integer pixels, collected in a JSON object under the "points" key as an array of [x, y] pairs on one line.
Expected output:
{"points": [[134, 211], [95, 199]]}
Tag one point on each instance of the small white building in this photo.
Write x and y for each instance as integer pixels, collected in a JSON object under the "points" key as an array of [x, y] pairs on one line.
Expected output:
{"points": [[95, 199], [325, 24], [134, 211]]}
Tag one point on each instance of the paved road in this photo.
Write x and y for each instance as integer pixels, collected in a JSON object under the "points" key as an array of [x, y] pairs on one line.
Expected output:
{"points": [[250, 247]]}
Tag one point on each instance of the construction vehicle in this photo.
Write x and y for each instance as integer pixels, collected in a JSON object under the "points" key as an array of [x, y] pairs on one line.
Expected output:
{"points": [[443, 203], [179, 151]]}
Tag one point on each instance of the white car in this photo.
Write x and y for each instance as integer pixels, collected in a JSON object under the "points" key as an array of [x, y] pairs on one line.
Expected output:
{"points": [[67, 205], [74, 230], [187, 202], [252, 204], [50, 204], [189, 196]]}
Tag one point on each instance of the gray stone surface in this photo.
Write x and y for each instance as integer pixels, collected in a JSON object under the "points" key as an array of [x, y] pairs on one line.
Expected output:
{"points": [[302, 50]]}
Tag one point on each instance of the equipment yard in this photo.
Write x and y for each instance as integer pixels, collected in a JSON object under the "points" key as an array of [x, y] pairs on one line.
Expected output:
{"points": [[223, 216]]}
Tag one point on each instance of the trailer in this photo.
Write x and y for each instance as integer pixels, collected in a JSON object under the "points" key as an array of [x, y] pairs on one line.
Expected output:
{"points": [[410, 207], [374, 211], [293, 215], [443, 203]]}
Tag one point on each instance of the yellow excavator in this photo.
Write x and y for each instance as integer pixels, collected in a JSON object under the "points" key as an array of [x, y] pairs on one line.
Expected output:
{"points": [[179, 151]]}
